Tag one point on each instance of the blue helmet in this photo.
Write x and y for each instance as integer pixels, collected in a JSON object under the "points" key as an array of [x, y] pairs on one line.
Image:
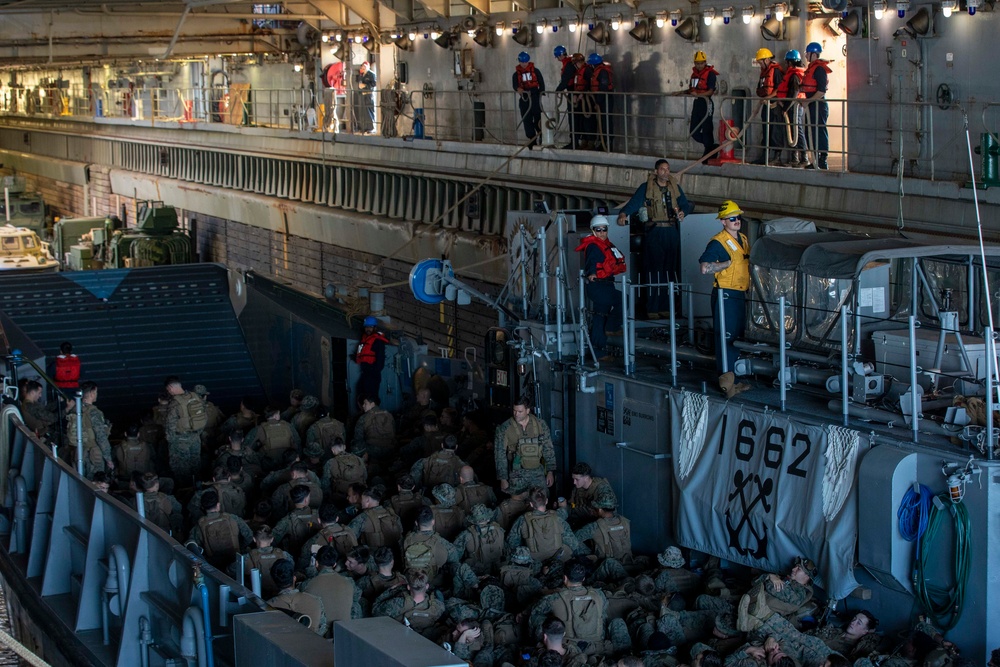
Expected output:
{"points": [[594, 60], [793, 55], [523, 57], [814, 47], [371, 321], [559, 51]]}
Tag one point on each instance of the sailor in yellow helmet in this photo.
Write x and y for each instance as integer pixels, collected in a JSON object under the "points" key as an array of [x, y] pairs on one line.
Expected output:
{"points": [[727, 257], [770, 115], [702, 87]]}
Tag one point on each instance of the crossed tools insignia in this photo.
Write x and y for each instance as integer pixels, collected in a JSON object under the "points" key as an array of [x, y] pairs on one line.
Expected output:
{"points": [[764, 488]]}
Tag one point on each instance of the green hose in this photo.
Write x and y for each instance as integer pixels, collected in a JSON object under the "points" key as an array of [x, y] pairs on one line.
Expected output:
{"points": [[944, 603]]}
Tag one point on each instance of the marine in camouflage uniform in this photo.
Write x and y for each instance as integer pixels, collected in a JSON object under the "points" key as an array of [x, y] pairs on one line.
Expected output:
{"points": [[38, 416], [243, 421], [586, 488], [183, 440], [271, 452], [372, 434], [469, 492], [210, 434], [613, 556], [325, 430], [306, 416], [96, 446], [855, 640], [675, 577], [523, 452], [294, 600], [520, 575], [483, 531], [412, 606], [518, 535]]}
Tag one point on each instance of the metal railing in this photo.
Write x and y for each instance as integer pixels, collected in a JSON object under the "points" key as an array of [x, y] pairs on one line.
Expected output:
{"points": [[910, 138]]}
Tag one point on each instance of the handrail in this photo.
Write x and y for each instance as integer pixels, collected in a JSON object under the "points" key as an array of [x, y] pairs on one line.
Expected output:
{"points": [[654, 124]]}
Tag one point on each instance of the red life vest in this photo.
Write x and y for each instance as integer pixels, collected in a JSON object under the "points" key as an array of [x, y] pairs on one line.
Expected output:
{"points": [[699, 78], [791, 72], [766, 85], [527, 77], [366, 348], [581, 80], [565, 60], [595, 85], [809, 84], [613, 262], [67, 374]]}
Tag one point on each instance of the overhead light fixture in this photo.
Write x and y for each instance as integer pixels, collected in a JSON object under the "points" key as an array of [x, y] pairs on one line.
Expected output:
{"points": [[780, 10], [748, 13], [948, 6], [972, 6], [675, 17], [708, 16], [522, 37], [405, 42], [688, 29], [435, 32], [540, 26], [499, 28], [599, 33], [641, 32], [556, 25], [297, 67], [901, 7], [394, 35], [514, 27], [879, 7], [447, 39], [325, 38], [922, 23], [661, 19], [412, 35], [573, 25], [616, 22], [483, 37], [727, 15], [471, 32], [339, 36], [772, 29]]}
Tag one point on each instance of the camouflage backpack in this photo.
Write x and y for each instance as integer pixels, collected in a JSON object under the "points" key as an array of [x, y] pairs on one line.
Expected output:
{"points": [[419, 555], [485, 547], [544, 537], [381, 529], [274, 437], [232, 497], [303, 524], [263, 562], [339, 538], [155, 510], [615, 539], [441, 469], [448, 521], [329, 429], [582, 614], [194, 416], [345, 470], [87, 428], [221, 537], [380, 429]]}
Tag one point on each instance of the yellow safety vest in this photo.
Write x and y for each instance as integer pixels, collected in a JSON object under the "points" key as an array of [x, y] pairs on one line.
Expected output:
{"points": [[737, 276]]}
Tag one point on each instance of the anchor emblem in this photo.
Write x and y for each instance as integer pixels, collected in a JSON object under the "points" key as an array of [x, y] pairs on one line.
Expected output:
{"points": [[743, 487]]}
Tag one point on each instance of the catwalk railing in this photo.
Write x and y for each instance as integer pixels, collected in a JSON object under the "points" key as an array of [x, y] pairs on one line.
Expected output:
{"points": [[912, 138]]}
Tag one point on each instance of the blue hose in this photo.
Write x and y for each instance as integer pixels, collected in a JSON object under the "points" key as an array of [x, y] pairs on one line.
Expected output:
{"points": [[209, 653], [914, 513]]}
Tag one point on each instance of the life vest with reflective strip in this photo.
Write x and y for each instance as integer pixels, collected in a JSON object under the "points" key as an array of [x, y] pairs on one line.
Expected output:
{"points": [[766, 85], [737, 275], [595, 82], [613, 262], [527, 77], [67, 375], [581, 80], [790, 73], [366, 348], [809, 84], [699, 78]]}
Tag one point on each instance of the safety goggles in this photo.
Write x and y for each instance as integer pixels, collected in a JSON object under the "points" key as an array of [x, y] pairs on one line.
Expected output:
{"points": [[600, 230]]}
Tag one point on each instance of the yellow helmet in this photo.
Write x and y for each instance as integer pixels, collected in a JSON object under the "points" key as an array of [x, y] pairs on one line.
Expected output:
{"points": [[700, 57], [763, 53], [729, 209]]}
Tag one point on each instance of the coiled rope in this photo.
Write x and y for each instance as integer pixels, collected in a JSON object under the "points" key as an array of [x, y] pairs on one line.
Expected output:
{"points": [[914, 512]]}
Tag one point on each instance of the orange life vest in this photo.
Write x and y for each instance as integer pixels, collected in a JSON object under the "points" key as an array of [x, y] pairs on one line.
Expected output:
{"points": [[581, 80], [790, 73], [613, 262], [527, 77], [809, 84], [766, 84], [67, 374], [699, 78], [565, 60], [595, 85], [366, 348]]}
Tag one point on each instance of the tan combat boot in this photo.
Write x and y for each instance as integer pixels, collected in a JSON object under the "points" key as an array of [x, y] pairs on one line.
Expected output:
{"points": [[729, 386]]}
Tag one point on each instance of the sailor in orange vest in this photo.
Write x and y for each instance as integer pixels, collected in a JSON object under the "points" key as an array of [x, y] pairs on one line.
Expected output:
{"points": [[814, 84], [702, 87], [370, 358], [602, 261], [602, 83], [67, 369], [727, 257], [574, 70], [530, 85], [770, 115], [792, 110]]}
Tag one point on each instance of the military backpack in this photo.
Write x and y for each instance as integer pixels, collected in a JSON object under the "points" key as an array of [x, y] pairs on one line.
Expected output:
{"points": [[615, 540], [275, 437], [221, 537], [544, 537], [442, 468], [582, 614], [485, 547], [194, 415], [419, 555], [381, 529], [329, 429]]}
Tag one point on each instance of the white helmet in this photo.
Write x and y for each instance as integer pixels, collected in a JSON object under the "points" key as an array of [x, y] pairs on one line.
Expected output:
{"points": [[599, 221]]}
